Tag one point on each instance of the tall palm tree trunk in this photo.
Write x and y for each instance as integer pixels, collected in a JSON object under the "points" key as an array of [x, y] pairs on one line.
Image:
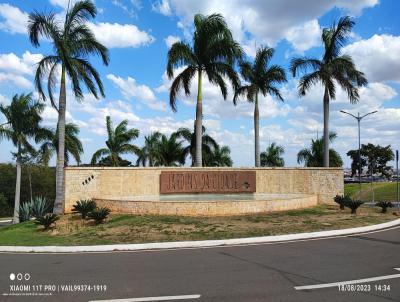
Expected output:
{"points": [[199, 117], [326, 128], [256, 132], [59, 202], [17, 187]]}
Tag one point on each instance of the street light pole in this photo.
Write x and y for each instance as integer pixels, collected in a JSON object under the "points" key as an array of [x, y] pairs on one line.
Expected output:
{"points": [[359, 118]]}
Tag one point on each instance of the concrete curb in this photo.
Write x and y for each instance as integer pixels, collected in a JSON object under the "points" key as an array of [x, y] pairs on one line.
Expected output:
{"points": [[197, 244]]}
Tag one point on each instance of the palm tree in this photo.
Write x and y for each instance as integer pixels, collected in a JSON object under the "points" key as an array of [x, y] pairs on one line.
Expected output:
{"points": [[118, 143], [260, 78], [73, 146], [331, 69], [314, 156], [169, 151], [213, 53], [272, 157], [22, 124], [73, 42], [147, 155], [208, 143], [219, 157]]}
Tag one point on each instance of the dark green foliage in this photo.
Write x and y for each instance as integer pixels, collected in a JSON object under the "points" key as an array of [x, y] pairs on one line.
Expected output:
{"points": [[84, 207], [73, 146], [43, 182], [313, 156], [119, 142], [25, 211], [208, 144], [5, 209], [374, 157], [47, 220], [219, 157], [341, 200], [353, 204], [40, 206], [272, 156], [99, 215], [384, 205]]}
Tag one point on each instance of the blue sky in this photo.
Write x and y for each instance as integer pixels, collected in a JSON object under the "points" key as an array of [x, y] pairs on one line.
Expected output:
{"points": [[139, 34]]}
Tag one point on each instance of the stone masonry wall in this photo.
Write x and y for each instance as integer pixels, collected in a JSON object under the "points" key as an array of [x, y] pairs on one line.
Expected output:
{"points": [[113, 183]]}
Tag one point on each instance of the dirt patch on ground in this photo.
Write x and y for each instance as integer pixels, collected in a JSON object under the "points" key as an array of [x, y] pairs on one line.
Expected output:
{"points": [[135, 229]]}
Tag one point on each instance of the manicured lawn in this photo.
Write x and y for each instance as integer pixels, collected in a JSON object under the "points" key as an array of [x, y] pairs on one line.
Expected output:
{"points": [[383, 191], [71, 230]]}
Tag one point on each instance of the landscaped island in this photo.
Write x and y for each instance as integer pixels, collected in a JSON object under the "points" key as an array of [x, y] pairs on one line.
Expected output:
{"points": [[72, 230]]}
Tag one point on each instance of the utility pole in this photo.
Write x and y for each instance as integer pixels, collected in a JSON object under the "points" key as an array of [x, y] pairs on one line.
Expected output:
{"points": [[359, 118]]}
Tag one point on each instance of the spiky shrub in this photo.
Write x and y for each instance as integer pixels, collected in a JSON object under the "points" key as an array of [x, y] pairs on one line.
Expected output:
{"points": [[384, 205], [47, 220], [84, 207], [40, 206], [341, 200], [353, 204], [25, 211], [99, 215]]}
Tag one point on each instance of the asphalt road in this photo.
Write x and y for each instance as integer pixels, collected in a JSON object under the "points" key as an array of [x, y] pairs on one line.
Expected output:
{"points": [[243, 273]]}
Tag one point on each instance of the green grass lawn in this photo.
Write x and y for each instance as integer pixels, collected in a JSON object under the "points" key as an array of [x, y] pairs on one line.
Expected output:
{"points": [[71, 230], [383, 191]]}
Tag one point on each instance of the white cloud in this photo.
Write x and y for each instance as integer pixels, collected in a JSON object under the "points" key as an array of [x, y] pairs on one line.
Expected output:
{"points": [[267, 22], [170, 40], [162, 7], [4, 100], [15, 79], [14, 69], [24, 65], [114, 35], [63, 3], [378, 57], [130, 89], [304, 36], [15, 21]]}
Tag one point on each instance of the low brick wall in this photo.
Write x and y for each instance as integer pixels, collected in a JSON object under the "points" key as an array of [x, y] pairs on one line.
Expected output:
{"points": [[108, 183]]}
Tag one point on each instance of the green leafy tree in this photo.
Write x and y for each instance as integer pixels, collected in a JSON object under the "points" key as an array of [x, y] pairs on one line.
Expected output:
{"points": [[147, 155], [272, 157], [260, 78], [170, 152], [73, 146], [72, 43], [213, 53], [219, 157], [334, 68], [355, 166], [21, 126], [118, 142], [377, 158], [208, 143], [314, 156]]}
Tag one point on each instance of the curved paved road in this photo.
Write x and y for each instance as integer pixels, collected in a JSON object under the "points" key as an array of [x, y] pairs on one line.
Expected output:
{"points": [[243, 273]]}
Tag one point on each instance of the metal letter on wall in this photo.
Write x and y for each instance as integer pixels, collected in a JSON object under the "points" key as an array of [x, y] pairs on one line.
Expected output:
{"points": [[207, 182]]}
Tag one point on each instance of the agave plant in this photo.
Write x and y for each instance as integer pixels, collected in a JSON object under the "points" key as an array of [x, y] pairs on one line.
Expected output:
{"points": [[39, 206], [25, 211], [84, 207], [384, 205], [99, 215], [353, 204], [47, 220], [341, 200]]}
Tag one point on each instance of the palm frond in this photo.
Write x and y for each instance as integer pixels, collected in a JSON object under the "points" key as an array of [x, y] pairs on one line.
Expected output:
{"points": [[182, 80]]}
